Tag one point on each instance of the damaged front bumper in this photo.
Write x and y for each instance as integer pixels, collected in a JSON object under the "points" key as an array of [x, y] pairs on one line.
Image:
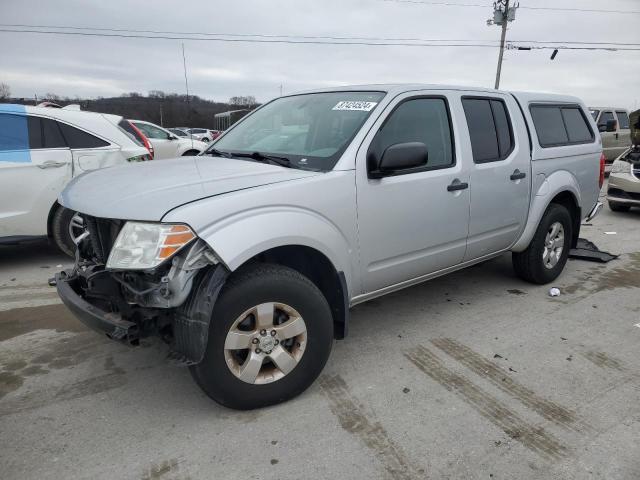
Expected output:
{"points": [[112, 324], [173, 301]]}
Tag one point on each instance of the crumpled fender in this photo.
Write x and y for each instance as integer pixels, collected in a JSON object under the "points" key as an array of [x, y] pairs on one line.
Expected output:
{"points": [[547, 188]]}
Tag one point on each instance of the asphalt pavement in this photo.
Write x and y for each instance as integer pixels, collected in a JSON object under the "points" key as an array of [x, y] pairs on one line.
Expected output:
{"points": [[473, 375]]}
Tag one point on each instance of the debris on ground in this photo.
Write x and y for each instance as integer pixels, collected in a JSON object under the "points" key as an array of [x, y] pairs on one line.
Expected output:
{"points": [[405, 390], [586, 250], [516, 291], [610, 233], [554, 292]]}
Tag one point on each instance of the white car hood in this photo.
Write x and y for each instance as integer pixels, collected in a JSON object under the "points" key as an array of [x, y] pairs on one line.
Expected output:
{"points": [[148, 190]]}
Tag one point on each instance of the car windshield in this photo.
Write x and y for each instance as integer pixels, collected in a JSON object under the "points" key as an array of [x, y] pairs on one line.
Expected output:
{"points": [[179, 133], [310, 130]]}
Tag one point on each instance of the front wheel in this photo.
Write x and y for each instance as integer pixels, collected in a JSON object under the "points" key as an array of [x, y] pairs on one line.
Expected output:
{"points": [[545, 257], [270, 336], [190, 153]]}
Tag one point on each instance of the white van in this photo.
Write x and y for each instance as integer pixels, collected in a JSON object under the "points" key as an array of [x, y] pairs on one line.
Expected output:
{"points": [[41, 149]]}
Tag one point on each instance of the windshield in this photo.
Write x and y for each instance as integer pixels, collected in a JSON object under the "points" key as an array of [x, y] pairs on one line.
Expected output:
{"points": [[180, 133], [310, 130]]}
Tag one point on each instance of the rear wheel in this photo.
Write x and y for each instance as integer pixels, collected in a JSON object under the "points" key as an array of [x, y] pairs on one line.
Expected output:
{"points": [[190, 153], [65, 226], [545, 257], [269, 338], [206, 140], [618, 207]]}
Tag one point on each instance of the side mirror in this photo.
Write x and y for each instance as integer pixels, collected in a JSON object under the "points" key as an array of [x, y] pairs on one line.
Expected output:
{"points": [[612, 125], [398, 157], [172, 137]]}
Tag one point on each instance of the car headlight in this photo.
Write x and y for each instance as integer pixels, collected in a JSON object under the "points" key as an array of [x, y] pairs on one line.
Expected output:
{"points": [[620, 166], [141, 246]]}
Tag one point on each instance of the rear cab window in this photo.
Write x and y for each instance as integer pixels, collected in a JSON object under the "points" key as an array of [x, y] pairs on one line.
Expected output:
{"points": [[560, 125], [490, 129]]}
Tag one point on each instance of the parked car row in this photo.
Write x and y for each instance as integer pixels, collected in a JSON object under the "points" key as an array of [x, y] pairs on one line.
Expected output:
{"points": [[202, 134], [623, 191], [42, 148]]}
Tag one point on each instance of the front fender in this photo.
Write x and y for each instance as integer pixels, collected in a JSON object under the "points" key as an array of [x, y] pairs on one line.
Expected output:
{"points": [[547, 188], [240, 237]]}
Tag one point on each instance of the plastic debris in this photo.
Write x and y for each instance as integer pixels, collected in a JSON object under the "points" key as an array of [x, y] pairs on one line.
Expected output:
{"points": [[610, 233], [554, 292]]}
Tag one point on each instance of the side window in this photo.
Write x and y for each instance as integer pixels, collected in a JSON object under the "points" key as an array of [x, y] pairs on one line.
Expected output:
{"points": [[489, 129], [35, 132], [623, 119], [14, 134], [604, 118], [578, 130], [549, 126], [152, 132], [77, 138], [52, 136], [559, 125], [424, 120]]}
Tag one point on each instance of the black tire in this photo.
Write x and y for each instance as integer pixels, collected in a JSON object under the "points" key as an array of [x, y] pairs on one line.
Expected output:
{"points": [[60, 230], [529, 264], [618, 207], [190, 153], [244, 289], [206, 140]]}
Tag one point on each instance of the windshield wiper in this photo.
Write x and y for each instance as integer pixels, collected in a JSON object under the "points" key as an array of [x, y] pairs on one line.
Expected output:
{"points": [[261, 157], [219, 153]]}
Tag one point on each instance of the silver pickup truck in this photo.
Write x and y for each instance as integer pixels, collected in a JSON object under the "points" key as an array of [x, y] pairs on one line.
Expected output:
{"points": [[246, 258]]}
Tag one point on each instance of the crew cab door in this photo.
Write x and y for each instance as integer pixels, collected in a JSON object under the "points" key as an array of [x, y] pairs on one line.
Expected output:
{"points": [[35, 165], [500, 176], [413, 221]]}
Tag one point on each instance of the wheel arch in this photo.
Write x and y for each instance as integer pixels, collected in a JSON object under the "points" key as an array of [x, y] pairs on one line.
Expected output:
{"points": [[561, 188], [317, 267], [51, 214]]}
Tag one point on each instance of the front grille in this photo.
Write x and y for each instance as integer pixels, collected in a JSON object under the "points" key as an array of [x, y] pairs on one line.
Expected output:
{"points": [[102, 235]]}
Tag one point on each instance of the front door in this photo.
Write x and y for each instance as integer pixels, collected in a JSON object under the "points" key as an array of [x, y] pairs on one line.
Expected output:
{"points": [[500, 181], [412, 222], [164, 144]]}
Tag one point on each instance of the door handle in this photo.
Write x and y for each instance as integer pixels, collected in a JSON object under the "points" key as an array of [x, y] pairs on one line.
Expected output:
{"points": [[616, 135], [51, 164], [457, 185], [517, 175]]}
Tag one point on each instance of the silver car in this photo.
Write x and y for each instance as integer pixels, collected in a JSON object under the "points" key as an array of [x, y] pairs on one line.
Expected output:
{"points": [[247, 258]]}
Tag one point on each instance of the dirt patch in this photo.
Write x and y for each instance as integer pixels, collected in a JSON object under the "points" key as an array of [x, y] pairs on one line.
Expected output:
{"points": [[354, 419], [24, 320], [158, 470], [9, 382], [599, 278], [534, 438]]}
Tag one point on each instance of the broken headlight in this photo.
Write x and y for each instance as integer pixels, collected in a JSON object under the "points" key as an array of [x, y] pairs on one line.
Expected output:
{"points": [[141, 246]]}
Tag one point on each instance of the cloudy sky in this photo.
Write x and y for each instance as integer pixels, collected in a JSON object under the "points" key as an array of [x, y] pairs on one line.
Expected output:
{"points": [[94, 66]]}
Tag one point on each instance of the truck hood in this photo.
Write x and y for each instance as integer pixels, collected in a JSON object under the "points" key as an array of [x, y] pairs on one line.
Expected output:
{"points": [[148, 190]]}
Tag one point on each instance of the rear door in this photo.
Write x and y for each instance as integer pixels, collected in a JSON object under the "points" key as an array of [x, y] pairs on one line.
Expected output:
{"points": [[412, 222], [35, 165], [500, 177]]}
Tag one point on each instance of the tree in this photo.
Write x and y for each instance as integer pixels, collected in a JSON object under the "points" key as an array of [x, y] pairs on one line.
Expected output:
{"points": [[5, 91]]}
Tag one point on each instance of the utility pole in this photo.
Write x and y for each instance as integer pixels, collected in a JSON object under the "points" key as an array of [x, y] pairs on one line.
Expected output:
{"points": [[186, 83], [503, 13], [280, 89]]}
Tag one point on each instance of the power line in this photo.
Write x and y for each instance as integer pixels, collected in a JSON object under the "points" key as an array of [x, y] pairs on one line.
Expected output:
{"points": [[188, 36], [484, 5]]}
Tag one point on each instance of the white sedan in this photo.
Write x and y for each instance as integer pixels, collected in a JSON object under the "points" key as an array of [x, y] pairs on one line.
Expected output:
{"points": [[167, 144], [41, 149]]}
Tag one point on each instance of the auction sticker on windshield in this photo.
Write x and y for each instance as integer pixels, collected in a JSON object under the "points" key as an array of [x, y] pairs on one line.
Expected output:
{"points": [[351, 105]]}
